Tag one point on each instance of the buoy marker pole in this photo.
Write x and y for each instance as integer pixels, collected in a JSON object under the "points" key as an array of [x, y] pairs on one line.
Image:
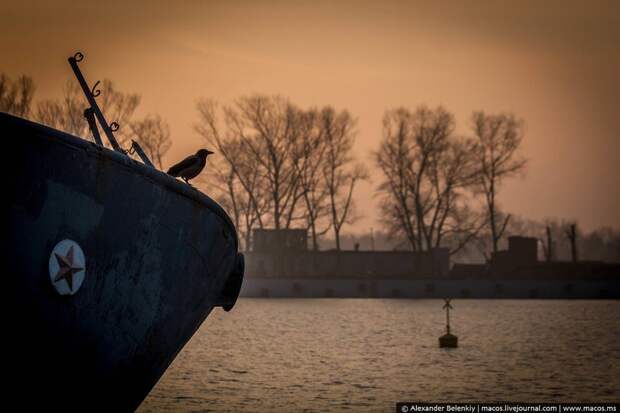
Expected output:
{"points": [[447, 306]]}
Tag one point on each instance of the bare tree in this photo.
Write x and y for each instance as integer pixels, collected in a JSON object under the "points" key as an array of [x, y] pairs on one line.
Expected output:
{"points": [[498, 138], [153, 135], [269, 128], [243, 188], [67, 114], [291, 165], [222, 183], [427, 173], [394, 160], [16, 96], [339, 172], [237, 178], [601, 244], [571, 233], [548, 245], [310, 158]]}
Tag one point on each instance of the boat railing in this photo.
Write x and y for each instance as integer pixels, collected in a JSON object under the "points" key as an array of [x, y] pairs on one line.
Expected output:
{"points": [[94, 114]]}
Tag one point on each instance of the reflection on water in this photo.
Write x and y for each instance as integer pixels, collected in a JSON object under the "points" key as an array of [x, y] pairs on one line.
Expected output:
{"points": [[366, 354]]}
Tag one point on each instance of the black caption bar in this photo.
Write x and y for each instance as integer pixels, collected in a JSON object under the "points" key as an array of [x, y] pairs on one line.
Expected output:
{"points": [[506, 407]]}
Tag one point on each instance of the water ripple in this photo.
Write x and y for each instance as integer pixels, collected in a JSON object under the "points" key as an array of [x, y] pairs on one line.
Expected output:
{"points": [[364, 355]]}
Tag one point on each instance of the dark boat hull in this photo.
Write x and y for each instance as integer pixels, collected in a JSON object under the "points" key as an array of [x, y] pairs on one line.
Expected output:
{"points": [[159, 256]]}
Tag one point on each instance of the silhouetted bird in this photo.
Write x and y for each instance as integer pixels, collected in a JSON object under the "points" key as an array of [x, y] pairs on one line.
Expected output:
{"points": [[191, 166]]}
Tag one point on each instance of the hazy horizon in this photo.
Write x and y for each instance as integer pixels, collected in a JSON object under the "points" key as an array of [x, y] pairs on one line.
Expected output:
{"points": [[553, 64]]}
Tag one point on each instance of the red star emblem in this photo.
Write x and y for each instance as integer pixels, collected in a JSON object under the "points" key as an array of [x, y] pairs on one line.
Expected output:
{"points": [[67, 268]]}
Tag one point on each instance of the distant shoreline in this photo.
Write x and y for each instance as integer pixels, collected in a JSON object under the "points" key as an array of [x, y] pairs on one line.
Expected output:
{"points": [[325, 287]]}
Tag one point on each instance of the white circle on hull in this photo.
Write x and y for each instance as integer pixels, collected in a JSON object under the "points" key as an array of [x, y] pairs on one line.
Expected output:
{"points": [[67, 267]]}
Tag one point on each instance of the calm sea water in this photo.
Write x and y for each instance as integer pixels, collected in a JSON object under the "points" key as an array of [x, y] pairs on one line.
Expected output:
{"points": [[276, 355]]}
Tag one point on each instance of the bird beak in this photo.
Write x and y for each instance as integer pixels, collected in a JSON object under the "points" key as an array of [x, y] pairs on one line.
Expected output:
{"points": [[209, 152]]}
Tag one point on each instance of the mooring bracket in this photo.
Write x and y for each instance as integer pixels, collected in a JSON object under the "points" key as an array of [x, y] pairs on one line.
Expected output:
{"points": [[90, 97]]}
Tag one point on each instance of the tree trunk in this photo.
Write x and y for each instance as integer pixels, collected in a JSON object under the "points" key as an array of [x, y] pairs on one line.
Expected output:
{"points": [[337, 234], [492, 217], [571, 233], [549, 256], [315, 244]]}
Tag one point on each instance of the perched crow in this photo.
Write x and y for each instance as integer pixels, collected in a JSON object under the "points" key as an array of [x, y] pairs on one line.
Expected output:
{"points": [[191, 166]]}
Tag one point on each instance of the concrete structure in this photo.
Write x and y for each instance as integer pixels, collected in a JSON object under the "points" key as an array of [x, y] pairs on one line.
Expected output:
{"points": [[275, 241], [281, 266], [521, 251], [428, 288], [284, 253], [348, 264]]}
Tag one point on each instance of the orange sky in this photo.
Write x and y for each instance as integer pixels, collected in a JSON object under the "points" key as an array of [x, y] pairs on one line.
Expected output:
{"points": [[555, 64]]}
